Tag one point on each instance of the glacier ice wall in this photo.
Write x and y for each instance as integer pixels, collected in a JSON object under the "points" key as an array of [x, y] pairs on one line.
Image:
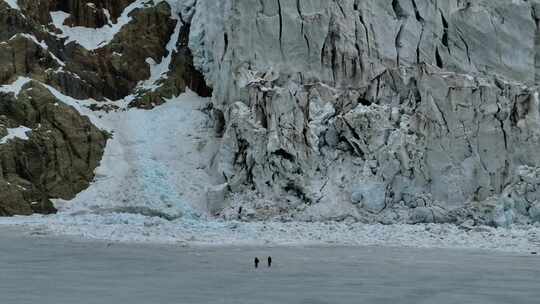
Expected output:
{"points": [[380, 111]]}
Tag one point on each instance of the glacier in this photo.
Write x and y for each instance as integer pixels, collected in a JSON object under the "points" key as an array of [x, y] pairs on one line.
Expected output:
{"points": [[324, 115]]}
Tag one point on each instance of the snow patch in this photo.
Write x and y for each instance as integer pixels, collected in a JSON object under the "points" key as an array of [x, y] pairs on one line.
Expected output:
{"points": [[94, 38], [155, 161], [13, 133], [159, 70], [136, 228]]}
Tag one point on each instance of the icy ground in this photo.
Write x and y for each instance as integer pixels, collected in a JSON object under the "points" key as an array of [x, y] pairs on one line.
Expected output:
{"points": [[152, 182], [129, 228], [51, 270]]}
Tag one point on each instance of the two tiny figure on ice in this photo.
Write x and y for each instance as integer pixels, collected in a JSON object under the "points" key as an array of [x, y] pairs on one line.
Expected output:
{"points": [[257, 262]]}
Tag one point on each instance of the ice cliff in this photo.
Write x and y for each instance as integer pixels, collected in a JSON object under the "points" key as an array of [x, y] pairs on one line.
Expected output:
{"points": [[379, 111], [390, 111]]}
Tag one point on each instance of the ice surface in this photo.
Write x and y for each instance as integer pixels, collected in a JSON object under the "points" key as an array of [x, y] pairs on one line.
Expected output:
{"points": [[13, 133], [94, 38], [63, 271], [13, 4], [16, 86]]}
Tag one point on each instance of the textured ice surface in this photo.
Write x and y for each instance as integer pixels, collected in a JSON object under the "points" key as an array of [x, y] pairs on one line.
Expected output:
{"points": [[376, 111], [136, 198], [97, 272]]}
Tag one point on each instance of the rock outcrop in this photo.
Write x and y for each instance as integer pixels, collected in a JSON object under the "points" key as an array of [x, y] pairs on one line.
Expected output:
{"points": [[56, 161]]}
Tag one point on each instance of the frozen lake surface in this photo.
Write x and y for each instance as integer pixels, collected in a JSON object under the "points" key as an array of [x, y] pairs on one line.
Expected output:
{"points": [[55, 271]]}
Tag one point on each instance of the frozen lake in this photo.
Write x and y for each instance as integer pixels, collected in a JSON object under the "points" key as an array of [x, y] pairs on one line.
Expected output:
{"points": [[56, 271]]}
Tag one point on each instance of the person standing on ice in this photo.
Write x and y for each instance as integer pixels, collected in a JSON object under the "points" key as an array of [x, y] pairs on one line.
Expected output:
{"points": [[256, 262], [269, 261]]}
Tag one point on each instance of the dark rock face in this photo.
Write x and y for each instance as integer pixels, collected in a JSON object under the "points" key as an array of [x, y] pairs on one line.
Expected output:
{"points": [[12, 22], [184, 75], [114, 70], [63, 147], [58, 159]]}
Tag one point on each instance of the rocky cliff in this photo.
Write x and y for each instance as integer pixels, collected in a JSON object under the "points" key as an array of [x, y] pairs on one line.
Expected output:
{"points": [[100, 52], [391, 111]]}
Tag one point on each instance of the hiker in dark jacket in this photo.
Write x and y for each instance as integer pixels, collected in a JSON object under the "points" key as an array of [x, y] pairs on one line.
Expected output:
{"points": [[256, 262], [269, 261]]}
